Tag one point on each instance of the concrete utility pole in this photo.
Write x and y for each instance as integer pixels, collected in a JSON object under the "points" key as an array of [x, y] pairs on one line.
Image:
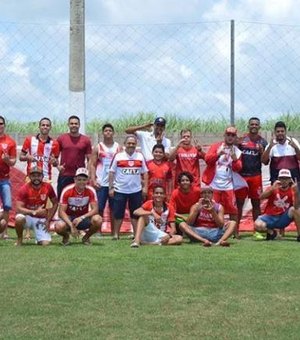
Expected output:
{"points": [[77, 61]]}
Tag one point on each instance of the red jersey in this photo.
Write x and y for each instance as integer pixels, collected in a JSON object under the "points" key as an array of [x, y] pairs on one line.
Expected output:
{"points": [[182, 202], [7, 146], [73, 152], [34, 198], [167, 216], [279, 202], [205, 219], [158, 174], [42, 151], [78, 203], [188, 160]]}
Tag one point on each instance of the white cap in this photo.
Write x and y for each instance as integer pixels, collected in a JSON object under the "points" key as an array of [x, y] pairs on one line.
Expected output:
{"points": [[82, 172], [285, 173]]}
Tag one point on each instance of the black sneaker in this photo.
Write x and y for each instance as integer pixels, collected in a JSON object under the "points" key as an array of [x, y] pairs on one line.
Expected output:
{"points": [[271, 237], [298, 238]]}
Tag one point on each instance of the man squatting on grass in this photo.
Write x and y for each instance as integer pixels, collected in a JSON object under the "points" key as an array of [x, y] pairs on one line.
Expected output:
{"points": [[74, 209], [205, 222], [282, 206], [32, 209]]}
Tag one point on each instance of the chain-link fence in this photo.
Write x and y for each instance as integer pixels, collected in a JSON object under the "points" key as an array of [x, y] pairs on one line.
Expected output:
{"points": [[180, 69]]}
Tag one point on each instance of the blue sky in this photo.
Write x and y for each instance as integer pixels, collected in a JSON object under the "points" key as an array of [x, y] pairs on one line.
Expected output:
{"points": [[180, 67]]}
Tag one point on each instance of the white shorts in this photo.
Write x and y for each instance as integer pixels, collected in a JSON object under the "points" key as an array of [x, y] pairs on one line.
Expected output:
{"points": [[151, 234], [38, 225]]}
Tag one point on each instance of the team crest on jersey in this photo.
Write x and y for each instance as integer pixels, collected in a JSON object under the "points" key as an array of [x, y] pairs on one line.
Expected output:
{"points": [[131, 163], [4, 146], [43, 197]]}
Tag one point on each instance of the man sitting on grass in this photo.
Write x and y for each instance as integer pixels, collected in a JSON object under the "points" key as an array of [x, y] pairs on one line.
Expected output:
{"points": [[74, 209], [31, 207], [205, 222], [280, 209], [156, 223]]}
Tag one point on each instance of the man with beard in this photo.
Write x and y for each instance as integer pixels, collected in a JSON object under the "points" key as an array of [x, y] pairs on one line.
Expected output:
{"points": [[31, 208], [148, 139], [223, 161], [252, 146], [75, 149], [282, 152], [41, 150]]}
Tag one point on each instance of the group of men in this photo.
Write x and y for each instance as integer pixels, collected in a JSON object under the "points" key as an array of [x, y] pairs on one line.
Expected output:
{"points": [[162, 207]]}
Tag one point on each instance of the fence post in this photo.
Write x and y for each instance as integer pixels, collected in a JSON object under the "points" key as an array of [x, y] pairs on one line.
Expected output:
{"points": [[77, 61], [232, 69]]}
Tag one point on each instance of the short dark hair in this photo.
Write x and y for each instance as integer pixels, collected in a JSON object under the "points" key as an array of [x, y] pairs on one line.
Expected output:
{"points": [[107, 125], [158, 146], [1, 117], [253, 118], [160, 187], [280, 124], [185, 174], [74, 117], [45, 118], [185, 130]]}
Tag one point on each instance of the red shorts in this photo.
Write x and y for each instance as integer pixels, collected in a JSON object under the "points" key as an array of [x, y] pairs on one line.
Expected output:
{"points": [[227, 199], [254, 188]]}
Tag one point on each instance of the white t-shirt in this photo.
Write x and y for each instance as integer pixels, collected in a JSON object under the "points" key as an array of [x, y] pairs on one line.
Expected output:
{"points": [[223, 177], [128, 170], [147, 140]]}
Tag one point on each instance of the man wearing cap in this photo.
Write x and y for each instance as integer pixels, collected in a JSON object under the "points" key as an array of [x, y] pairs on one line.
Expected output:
{"points": [[8, 153], [148, 139], [282, 152], [205, 222], [280, 209], [78, 209], [223, 161], [31, 207]]}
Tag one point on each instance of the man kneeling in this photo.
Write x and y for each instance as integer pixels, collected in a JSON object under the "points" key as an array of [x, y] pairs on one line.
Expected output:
{"points": [[279, 211], [206, 222], [155, 216], [31, 208], [74, 209]]}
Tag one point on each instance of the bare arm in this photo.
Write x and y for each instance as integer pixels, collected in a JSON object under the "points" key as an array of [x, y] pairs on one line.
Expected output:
{"points": [[133, 129], [193, 213], [92, 166], [269, 191]]}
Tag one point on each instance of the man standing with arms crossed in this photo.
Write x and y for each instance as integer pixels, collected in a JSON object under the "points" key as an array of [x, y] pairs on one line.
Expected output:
{"points": [[8, 153]]}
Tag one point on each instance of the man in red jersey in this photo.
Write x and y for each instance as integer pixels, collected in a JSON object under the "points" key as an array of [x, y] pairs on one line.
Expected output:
{"points": [[31, 208], [78, 209], [41, 150], [223, 161], [183, 197], [8, 153], [206, 221], [252, 146], [75, 149], [102, 155], [159, 171], [280, 209], [187, 156]]}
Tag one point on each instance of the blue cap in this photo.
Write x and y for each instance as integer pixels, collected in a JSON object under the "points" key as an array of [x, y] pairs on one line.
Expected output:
{"points": [[160, 121]]}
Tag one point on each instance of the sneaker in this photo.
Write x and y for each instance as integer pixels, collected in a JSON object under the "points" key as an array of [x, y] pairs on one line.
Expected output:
{"points": [[271, 237], [86, 241], [65, 240], [258, 236], [134, 245]]}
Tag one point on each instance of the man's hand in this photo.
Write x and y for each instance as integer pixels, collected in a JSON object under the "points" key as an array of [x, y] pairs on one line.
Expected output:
{"points": [[232, 153], [111, 192], [276, 185], [74, 231], [165, 239], [61, 168]]}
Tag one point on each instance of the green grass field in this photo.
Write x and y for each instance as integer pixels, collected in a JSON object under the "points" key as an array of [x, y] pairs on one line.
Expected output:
{"points": [[110, 291]]}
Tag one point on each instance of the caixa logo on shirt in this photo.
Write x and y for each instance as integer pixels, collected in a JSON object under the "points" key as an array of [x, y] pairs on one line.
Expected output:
{"points": [[130, 171]]}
